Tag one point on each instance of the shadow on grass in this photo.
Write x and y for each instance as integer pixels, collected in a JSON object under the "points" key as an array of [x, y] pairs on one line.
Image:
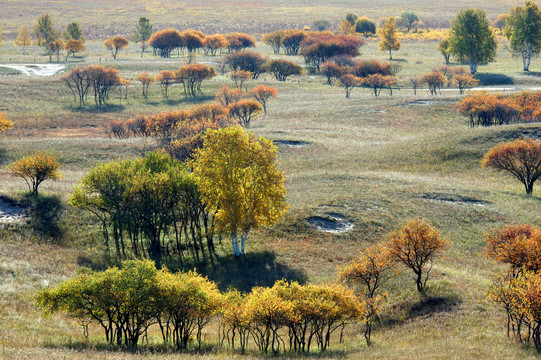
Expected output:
{"points": [[488, 79], [91, 109], [399, 60], [250, 270], [46, 212], [3, 157], [157, 347], [532, 73], [439, 299], [243, 273]]}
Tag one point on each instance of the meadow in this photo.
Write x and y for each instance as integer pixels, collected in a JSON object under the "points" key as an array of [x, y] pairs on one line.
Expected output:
{"points": [[378, 161]]}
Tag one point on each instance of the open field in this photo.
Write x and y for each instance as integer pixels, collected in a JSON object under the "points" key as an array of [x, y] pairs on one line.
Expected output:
{"points": [[378, 161], [253, 16]]}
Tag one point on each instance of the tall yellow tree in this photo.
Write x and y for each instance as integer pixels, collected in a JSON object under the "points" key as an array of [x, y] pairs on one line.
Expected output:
{"points": [[239, 181], [390, 39], [23, 38]]}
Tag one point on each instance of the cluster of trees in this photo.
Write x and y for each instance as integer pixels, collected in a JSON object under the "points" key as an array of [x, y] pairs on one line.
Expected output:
{"points": [[486, 109], [437, 78], [126, 302], [247, 64], [100, 79], [289, 316], [50, 38], [191, 77], [181, 132], [518, 292], [414, 246], [166, 41], [321, 46], [161, 208]]}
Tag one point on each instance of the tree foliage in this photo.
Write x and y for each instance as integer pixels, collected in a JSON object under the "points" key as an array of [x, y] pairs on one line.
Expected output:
{"points": [[45, 31], [320, 47], [72, 47], [151, 204], [165, 41], [348, 82], [246, 60], [378, 82], [23, 38], [388, 35], [239, 182], [145, 79], [415, 245], [282, 68], [521, 158], [444, 47], [262, 94], [471, 39], [143, 32], [524, 32], [408, 19], [74, 31], [365, 26], [244, 111], [239, 41], [213, 43], [115, 44], [35, 169], [435, 80]]}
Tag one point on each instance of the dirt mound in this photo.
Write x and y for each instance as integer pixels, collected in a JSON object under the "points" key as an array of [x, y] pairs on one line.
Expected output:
{"points": [[331, 222], [453, 199], [292, 143], [11, 211]]}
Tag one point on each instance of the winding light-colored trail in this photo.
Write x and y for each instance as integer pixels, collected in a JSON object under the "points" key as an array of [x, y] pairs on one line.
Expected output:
{"points": [[35, 69]]}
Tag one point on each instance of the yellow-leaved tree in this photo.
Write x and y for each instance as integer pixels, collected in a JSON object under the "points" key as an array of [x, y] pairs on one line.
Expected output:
{"points": [[35, 169], [389, 36], [239, 181], [23, 38]]}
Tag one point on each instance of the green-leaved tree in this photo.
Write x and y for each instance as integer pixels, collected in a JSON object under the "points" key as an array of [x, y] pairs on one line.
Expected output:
{"points": [[524, 32]]}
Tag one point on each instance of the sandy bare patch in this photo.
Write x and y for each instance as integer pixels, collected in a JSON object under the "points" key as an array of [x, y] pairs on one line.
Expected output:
{"points": [[331, 222], [11, 211], [35, 69]]}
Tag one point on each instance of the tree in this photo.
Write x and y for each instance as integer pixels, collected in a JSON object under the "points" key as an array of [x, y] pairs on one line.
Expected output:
{"points": [[491, 109], [54, 48], [292, 39], [463, 82], [434, 80], [23, 38], [518, 246], [165, 41], [524, 32], [192, 76], [351, 18], [415, 245], [166, 79], [377, 82], [192, 40], [501, 22], [320, 47], [227, 96], [282, 69], [239, 77], [365, 26], [262, 94], [348, 82], [72, 47], [365, 68], [244, 111], [471, 38], [246, 60], [115, 44], [143, 32], [74, 31], [215, 42], [521, 158], [389, 37], [274, 40], [239, 41], [35, 169], [239, 181], [407, 19], [146, 79], [321, 24], [331, 70], [444, 47], [45, 31]]}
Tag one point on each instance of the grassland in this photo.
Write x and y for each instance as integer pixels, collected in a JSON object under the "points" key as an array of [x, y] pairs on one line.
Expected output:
{"points": [[103, 18], [379, 161]]}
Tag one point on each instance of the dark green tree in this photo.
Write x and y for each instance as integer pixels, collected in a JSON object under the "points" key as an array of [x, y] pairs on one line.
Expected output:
{"points": [[365, 26], [407, 19], [524, 32], [74, 32], [472, 41], [45, 32], [143, 32]]}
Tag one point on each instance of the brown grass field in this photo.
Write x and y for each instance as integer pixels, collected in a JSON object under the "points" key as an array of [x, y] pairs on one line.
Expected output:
{"points": [[378, 161]]}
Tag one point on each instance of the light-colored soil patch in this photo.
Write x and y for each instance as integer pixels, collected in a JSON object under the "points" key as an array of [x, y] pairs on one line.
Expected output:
{"points": [[453, 199], [11, 211], [35, 69], [331, 222]]}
